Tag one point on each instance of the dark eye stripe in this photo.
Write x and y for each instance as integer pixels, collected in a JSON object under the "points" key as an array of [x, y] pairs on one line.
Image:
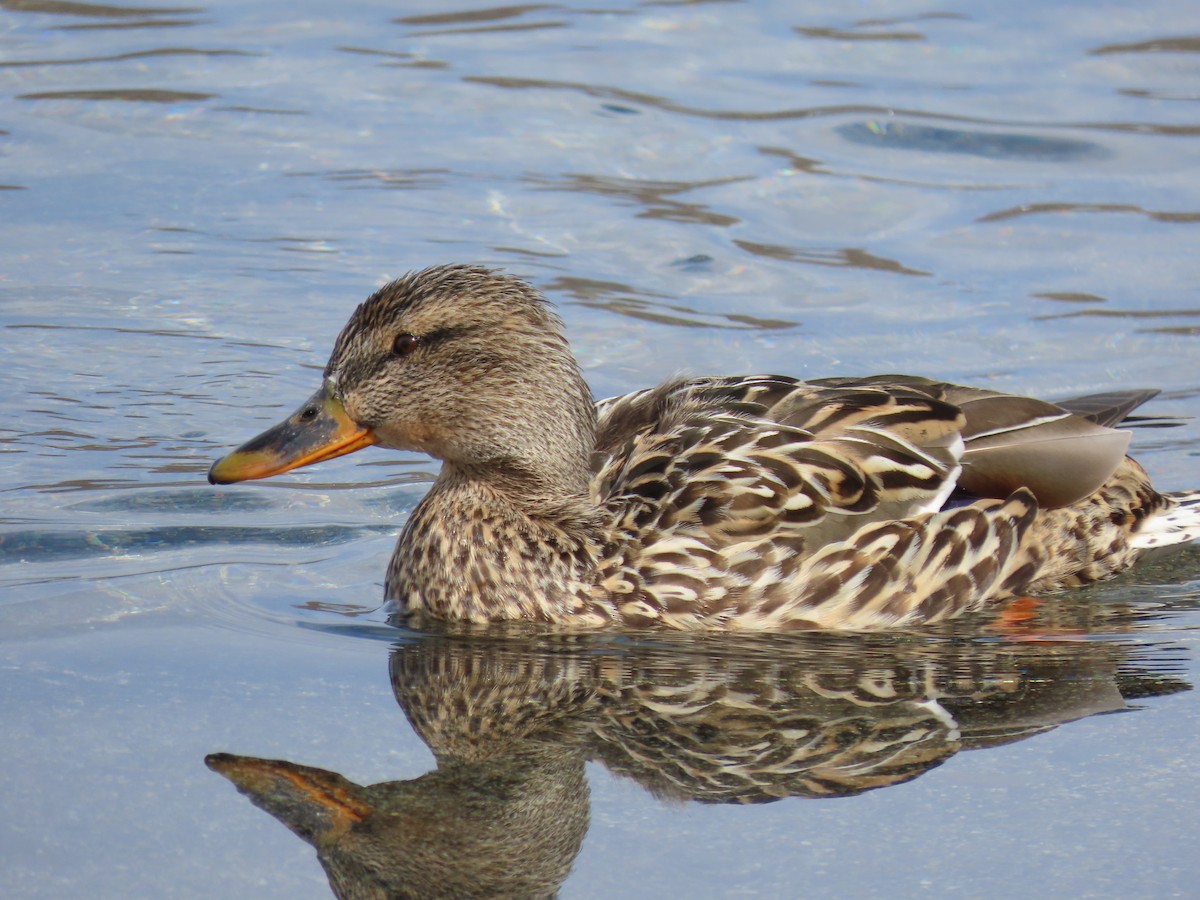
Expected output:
{"points": [[405, 343]]}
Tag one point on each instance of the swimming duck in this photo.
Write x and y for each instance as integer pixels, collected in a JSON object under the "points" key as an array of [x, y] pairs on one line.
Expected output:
{"points": [[760, 502]]}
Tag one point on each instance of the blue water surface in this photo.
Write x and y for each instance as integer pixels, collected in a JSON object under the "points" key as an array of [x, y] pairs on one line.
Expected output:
{"points": [[193, 199]]}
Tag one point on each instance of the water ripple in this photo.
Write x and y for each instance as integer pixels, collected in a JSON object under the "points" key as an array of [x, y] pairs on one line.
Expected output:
{"points": [[40, 546], [1190, 44], [120, 57], [1036, 209], [990, 145], [625, 300], [842, 34], [843, 257], [604, 92], [655, 196], [132, 95], [96, 10]]}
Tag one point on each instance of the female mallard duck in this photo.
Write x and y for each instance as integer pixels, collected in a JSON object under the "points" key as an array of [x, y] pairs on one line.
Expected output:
{"points": [[758, 502]]}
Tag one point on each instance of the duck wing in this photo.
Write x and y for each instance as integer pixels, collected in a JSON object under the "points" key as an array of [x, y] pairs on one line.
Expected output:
{"points": [[768, 502], [730, 459], [1062, 452], [782, 503]]}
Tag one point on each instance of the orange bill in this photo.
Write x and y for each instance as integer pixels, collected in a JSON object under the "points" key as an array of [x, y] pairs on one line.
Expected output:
{"points": [[318, 430]]}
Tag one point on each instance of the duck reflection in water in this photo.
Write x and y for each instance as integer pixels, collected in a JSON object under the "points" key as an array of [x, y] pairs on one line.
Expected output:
{"points": [[511, 721]]}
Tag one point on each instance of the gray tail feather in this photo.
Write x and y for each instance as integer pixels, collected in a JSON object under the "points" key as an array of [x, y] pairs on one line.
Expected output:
{"points": [[1178, 524], [1109, 408]]}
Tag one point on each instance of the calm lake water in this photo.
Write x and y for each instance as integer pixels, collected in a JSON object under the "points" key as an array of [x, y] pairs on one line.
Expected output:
{"points": [[193, 199]]}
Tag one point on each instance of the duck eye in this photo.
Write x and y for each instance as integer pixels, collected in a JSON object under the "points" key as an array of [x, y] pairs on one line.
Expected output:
{"points": [[405, 344]]}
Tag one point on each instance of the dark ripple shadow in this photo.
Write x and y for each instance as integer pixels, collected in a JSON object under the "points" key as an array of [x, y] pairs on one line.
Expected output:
{"points": [[1187, 330], [625, 300], [178, 501], [112, 17], [392, 179], [1071, 297], [469, 16], [841, 258], [41, 546], [142, 23], [1109, 313], [490, 29], [495, 19], [1189, 44], [895, 135], [844, 34], [398, 59], [811, 166], [262, 110], [96, 10], [118, 329], [1035, 209], [608, 93], [128, 95], [1149, 94], [656, 197], [867, 29], [1084, 297], [121, 57]]}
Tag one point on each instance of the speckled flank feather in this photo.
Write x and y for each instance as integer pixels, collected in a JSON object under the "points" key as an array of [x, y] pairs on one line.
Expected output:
{"points": [[758, 502]]}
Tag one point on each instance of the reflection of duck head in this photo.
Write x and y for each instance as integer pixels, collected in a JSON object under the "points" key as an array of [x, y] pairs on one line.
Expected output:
{"points": [[505, 826], [721, 720]]}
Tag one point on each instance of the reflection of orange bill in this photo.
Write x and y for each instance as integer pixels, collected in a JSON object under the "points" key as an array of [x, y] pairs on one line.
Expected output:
{"points": [[279, 786]]}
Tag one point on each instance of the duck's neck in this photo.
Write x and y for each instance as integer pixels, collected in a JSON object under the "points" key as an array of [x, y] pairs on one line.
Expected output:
{"points": [[497, 543]]}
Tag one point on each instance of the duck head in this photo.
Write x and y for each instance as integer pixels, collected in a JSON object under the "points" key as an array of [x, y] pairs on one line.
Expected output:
{"points": [[460, 362]]}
